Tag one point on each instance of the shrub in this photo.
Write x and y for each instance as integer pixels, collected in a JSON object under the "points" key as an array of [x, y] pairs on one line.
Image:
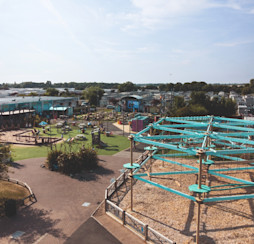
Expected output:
{"points": [[72, 162], [52, 162], [88, 158]]}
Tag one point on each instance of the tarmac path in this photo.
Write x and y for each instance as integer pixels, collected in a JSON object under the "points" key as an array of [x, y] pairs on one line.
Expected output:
{"points": [[58, 212]]}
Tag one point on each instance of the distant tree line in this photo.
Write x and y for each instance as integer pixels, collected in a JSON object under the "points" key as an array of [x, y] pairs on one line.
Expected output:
{"points": [[130, 86], [200, 104]]}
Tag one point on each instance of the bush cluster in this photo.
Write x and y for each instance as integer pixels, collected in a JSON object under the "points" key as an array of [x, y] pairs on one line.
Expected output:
{"points": [[72, 162]]}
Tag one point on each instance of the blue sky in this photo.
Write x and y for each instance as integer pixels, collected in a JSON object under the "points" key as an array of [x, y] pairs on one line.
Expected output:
{"points": [[143, 41]]}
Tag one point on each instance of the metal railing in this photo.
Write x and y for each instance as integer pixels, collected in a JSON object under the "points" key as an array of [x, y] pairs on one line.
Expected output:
{"points": [[116, 191]]}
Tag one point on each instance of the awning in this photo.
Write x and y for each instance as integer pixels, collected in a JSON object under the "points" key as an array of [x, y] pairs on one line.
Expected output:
{"points": [[58, 108]]}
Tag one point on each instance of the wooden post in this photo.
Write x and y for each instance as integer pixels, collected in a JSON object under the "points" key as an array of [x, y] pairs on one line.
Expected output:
{"points": [[199, 201], [131, 174], [198, 220], [123, 217], [146, 232], [201, 153]]}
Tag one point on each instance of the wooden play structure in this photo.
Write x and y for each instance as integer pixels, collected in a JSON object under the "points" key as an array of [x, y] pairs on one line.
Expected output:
{"points": [[218, 152], [32, 137]]}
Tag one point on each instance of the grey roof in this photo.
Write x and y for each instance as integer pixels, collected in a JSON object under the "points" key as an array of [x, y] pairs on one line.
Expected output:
{"points": [[15, 100], [133, 96]]}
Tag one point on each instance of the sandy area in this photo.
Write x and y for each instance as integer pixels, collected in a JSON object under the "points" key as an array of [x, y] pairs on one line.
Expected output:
{"points": [[175, 216], [8, 136]]}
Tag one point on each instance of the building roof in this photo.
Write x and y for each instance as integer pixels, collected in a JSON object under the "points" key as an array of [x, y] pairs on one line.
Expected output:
{"points": [[133, 96], [15, 100]]}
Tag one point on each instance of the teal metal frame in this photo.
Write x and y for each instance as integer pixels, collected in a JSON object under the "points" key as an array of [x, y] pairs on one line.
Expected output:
{"points": [[188, 136]]}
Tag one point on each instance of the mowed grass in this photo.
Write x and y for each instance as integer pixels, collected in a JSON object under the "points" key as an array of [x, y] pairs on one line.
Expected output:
{"points": [[12, 191], [113, 143]]}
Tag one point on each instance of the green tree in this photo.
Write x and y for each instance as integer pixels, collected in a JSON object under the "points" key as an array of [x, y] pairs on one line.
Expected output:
{"points": [[93, 94], [4, 159], [52, 92], [179, 102], [127, 87]]}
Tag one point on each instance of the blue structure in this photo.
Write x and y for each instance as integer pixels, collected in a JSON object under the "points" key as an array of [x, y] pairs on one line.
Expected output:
{"points": [[39, 104], [209, 139], [132, 103]]}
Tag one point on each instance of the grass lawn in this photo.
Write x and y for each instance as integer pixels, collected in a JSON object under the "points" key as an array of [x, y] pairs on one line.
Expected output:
{"points": [[114, 144], [12, 191]]}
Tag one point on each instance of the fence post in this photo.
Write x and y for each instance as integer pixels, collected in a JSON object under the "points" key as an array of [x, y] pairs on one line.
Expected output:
{"points": [[115, 185], [106, 194], [146, 232], [105, 205], [123, 217]]}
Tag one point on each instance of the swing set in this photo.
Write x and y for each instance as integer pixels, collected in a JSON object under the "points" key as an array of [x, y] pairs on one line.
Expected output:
{"points": [[207, 141]]}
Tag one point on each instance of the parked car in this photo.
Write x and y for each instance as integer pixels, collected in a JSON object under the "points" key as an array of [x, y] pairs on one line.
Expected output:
{"points": [[110, 106]]}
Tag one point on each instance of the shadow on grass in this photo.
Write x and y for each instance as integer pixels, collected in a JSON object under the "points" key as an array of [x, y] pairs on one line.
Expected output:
{"points": [[34, 222]]}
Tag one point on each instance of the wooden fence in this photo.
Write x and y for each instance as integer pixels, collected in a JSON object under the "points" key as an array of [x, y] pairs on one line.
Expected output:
{"points": [[116, 191]]}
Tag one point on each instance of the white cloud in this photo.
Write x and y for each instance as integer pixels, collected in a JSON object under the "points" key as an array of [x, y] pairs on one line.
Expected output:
{"points": [[232, 44], [151, 13]]}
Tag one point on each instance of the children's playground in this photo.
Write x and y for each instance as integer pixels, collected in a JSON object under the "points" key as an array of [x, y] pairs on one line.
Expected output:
{"points": [[197, 185], [71, 134]]}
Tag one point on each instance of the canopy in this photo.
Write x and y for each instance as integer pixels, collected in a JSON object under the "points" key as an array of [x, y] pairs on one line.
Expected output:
{"points": [[43, 123]]}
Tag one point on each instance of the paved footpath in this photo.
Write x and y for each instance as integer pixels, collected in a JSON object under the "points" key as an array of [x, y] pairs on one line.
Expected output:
{"points": [[59, 212]]}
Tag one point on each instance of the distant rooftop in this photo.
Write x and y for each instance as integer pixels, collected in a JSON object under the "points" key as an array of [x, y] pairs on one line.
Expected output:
{"points": [[15, 100]]}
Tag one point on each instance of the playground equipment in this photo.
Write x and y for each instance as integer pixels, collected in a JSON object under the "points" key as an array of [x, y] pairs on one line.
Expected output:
{"points": [[96, 138], [205, 141], [32, 137]]}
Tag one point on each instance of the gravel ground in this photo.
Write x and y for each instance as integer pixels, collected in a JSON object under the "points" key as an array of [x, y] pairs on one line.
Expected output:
{"points": [[175, 216]]}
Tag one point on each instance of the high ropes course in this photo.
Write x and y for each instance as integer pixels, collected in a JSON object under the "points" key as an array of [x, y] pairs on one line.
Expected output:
{"points": [[218, 146]]}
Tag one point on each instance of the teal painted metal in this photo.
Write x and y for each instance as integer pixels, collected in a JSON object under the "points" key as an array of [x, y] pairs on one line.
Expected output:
{"points": [[151, 148], [133, 166], [174, 155], [229, 145], [232, 178], [169, 173], [159, 144], [174, 130], [230, 169], [162, 137], [201, 125], [249, 142], [195, 131], [231, 188], [221, 152], [228, 127], [246, 122], [228, 157], [203, 189], [174, 162], [165, 188], [236, 134], [228, 198]]}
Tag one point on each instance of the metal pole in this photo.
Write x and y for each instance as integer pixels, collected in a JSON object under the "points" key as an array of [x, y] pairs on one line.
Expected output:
{"points": [[123, 124]]}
